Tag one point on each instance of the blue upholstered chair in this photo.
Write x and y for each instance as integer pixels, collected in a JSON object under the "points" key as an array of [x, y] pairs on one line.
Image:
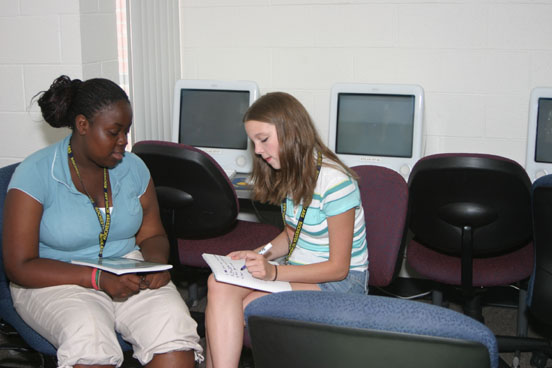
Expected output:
{"points": [[539, 293], [540, 286], [7, 312], [328, 329]]}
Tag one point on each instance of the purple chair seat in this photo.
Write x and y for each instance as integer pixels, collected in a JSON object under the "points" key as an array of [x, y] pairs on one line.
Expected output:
{"points": [[244, 235], [494, 271]]}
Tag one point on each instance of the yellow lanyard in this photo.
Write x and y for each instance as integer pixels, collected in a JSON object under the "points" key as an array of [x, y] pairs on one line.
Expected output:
{"points": [[104, 227], [303, 213]]}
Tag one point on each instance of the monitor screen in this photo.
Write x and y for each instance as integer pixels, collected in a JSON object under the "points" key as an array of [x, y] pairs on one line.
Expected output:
{"points": [[379, 124], [538, 158], [213, 118], [209, 115], [375, 125], [543, 150]]}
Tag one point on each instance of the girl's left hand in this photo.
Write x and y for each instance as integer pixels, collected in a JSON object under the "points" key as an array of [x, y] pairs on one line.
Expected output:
{"points": [[154, 280]]}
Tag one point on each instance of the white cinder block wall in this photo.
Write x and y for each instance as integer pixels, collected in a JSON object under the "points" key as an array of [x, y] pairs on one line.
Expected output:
{"points": [[476, 60], [40, 40]]}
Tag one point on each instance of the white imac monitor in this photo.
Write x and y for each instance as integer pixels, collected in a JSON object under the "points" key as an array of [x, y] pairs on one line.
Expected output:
{"points": [[377, 124], [539, 135], [209, 114]]}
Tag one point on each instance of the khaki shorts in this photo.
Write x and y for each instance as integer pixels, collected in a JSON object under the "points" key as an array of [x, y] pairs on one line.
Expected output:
{"points": [[81, 323]]}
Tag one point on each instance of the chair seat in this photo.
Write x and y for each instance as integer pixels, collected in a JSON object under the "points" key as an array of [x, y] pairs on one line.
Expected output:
{"points": [[245, 235], [487, 272]]}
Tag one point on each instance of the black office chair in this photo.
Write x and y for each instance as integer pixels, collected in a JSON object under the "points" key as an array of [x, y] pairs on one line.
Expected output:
{"points": [[199, 207], [328, 329], [195, 200], [471, 221]]}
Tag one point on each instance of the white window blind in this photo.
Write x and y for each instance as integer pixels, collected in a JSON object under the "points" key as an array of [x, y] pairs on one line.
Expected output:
{"points": [[154, 65]]}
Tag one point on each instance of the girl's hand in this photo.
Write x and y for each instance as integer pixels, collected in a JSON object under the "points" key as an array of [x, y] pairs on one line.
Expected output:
{"points": [[119, 287], [154, 280], [238, 254], [258, 266]]}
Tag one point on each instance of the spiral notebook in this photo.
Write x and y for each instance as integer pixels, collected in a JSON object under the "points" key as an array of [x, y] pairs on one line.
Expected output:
{"points": [[229, 271]]}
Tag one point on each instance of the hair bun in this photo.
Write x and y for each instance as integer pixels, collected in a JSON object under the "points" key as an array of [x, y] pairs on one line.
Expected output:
{"points": [[66, 99], [55, 103], [75, 84]]}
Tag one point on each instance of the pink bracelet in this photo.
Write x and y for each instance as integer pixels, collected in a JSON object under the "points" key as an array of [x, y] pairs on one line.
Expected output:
{"points": [[93, 279]]}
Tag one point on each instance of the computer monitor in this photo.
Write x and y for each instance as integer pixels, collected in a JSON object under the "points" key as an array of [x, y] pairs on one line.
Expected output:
{"points": [[538, 160], [208, 115], [379, 124]]}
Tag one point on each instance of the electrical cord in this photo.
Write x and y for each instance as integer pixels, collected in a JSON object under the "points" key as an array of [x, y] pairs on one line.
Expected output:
{"points": [[409, 297]]}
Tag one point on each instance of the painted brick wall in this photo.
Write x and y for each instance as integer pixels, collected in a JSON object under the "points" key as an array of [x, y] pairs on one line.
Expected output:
{"points": [[40, 40], [476, 60]]}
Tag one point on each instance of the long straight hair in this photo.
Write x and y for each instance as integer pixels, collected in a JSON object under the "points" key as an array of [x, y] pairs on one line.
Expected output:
{"points": [[299, 144]]}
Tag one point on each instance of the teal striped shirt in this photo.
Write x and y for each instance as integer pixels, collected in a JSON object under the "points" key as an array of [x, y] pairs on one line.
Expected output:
{"points": [[335, 193]]}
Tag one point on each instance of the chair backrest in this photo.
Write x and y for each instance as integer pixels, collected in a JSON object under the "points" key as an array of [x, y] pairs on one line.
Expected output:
{"points": [[540, 290], [487, 193], [384, 194], [192, 186], [354, 330]]}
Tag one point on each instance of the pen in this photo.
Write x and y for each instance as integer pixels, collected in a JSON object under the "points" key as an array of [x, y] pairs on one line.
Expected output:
{"points": [[265, 249]]}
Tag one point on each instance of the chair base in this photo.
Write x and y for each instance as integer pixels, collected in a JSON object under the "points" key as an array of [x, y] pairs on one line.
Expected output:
{"points": [[541, 349], [471, 304]]}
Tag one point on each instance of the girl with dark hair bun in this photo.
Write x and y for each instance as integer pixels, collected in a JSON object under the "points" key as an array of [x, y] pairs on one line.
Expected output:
{"points": [[86, 197], [66, 98], [323, 244]]}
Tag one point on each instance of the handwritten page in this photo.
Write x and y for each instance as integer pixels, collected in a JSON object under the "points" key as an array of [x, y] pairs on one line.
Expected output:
{"points": [[229, 270]]}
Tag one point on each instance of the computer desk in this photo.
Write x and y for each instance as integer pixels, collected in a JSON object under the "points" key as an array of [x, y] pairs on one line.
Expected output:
{"points": [[242, 186]]}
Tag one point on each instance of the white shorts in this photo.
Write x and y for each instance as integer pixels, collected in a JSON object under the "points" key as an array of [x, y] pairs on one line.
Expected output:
{"points": [[81, 323]]}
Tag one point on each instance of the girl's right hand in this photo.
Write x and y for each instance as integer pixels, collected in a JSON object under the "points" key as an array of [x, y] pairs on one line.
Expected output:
{"points": [[120, 287], [257, 265]]}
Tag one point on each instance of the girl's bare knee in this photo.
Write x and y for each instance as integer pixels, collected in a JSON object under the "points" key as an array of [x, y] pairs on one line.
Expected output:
{"points": [[216, 290], [213, 286]]}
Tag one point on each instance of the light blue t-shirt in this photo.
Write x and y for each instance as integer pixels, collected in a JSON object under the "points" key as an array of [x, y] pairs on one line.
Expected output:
{"points": [[69, 227]]}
